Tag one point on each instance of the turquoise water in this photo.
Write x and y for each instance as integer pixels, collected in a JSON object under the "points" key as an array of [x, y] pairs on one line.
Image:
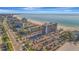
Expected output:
{"points": [[62, 19]]}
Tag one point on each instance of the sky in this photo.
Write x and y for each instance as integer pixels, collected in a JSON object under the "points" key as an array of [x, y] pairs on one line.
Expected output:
{"points": [[39, 10]]}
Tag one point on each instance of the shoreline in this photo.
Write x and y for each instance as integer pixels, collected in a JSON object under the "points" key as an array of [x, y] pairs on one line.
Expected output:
{"points": [[36, 22], [64, 27], [68, 28], [17, 16]]}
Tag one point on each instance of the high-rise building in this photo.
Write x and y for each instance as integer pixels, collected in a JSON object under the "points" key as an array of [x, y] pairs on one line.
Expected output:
{"points": [[24, 20], [49, 27]]}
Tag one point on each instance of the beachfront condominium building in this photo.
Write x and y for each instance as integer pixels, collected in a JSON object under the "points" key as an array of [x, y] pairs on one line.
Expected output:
{"points": [[49, 27], [37, 31], [24, 21]]}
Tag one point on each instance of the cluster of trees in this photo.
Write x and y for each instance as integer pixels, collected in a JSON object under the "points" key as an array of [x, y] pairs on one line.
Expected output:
{"points": [[67, 35]]}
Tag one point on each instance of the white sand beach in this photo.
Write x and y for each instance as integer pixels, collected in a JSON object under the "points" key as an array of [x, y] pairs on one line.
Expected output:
{"points": [[36, 22], [69, 47], [17, 17], [68, 28]]}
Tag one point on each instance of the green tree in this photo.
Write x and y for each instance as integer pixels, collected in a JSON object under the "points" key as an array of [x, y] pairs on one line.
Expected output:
{"points": [[67, 35]]}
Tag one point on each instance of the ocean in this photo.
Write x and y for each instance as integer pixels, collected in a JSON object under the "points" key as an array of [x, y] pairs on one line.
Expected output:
{"points": [[71, 20]]}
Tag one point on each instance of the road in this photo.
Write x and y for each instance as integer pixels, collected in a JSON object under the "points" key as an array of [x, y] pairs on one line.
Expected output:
{"points": [[12, 37]]}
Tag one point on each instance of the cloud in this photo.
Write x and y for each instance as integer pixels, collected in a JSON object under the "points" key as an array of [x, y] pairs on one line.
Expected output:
{"points": [[38, 10], [6, 11], [10, 11], [68, 10], [29, 8], [2, 10], [57, 9], [64, 8]]}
